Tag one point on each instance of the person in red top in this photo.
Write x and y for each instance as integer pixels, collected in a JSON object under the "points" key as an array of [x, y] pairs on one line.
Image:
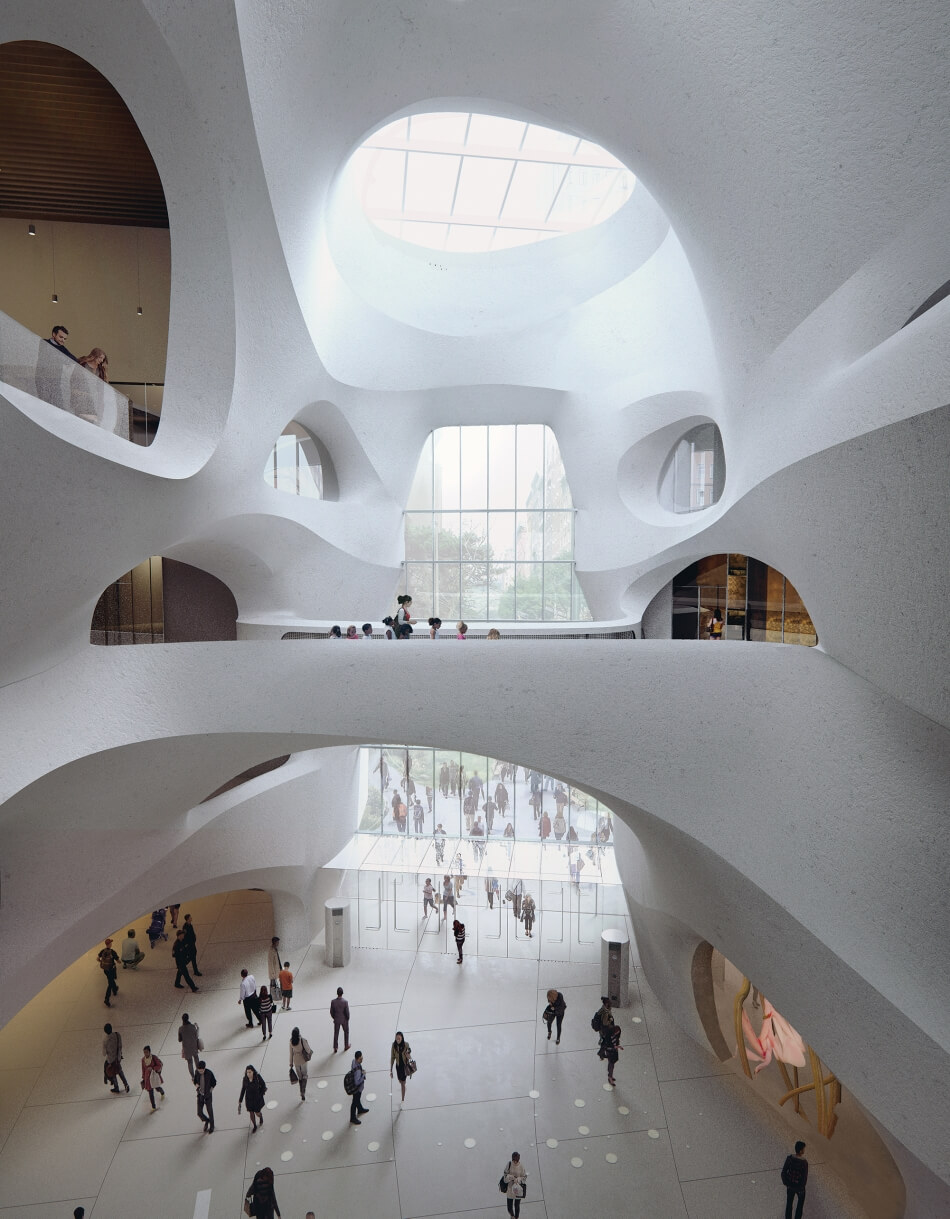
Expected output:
{"points": [[286, 980]]}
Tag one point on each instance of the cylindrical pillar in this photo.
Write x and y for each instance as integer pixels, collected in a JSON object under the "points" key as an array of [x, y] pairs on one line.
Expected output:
{"points": [[615, 966], [337, 921]]}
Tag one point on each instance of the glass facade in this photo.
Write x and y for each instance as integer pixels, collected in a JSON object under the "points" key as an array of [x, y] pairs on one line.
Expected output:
{"points": [[489, 528], [454, 790], [752, 601], [294, 465]]}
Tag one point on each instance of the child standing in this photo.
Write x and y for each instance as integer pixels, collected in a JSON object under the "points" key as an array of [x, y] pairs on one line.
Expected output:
{"points": [[286, 986]]}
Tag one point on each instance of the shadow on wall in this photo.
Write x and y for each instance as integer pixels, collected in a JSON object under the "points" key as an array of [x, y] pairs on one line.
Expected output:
{"points": [[745, 1030]]}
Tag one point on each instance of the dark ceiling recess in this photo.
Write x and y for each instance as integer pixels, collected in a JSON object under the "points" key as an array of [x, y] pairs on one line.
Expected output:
{"points": [[941, 294], [69, 148]]}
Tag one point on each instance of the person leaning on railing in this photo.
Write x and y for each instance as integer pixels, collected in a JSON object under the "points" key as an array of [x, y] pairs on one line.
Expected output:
{"points": [[97, 362]]}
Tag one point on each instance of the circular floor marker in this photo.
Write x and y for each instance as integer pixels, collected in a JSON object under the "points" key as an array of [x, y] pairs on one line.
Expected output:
{"points": [[286, 1128], [327, 1136], [623, 1109], [552, 1142], [654, 1134], [610, 1158], [637, 1019], [583, 1129], [577, 1162], [286, 1155], [469, 1142], [579, 1104], [272, 1104], [336, 1108], [534, 1094], [321, 1083], [374, 1146], [372, 1095], [608, 1087]]}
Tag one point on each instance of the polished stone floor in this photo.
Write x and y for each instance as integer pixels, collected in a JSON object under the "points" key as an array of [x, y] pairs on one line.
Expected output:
{"points": [[679, 1137]]}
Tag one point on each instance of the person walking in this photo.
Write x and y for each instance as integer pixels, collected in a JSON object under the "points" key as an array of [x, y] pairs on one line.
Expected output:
{"points": [[260, 1198], [544, 828], [492, 888], [131, 953], [439, 835], [501, 799], [340, 1015], [428, 896], [489, 807], [265, 1013], [112, 1054], [448, 895], [554, 1012], [173, 913], [610, 1048], [795, 1178], [191, 939], [151, 1075], [444, 779], [516, 1179], [458, 930], [286, 980], [273, 966], [253, 1088], [560, 825], [418, 816], [400, 1057], [353, 1083], [300, 1055], [109, 962], [205, 1083], [190, 1044], [528, 911], [248, 997], [182, 957], [517, 893]]}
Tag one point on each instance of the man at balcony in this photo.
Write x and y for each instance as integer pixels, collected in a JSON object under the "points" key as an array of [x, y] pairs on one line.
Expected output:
{"points": [[58, 340]]}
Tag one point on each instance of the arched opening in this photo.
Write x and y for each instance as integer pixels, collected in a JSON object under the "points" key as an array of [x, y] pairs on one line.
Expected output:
{"points": [[734, 596], [789, 1075], [299, 464], [84, 244], [164, 601]]}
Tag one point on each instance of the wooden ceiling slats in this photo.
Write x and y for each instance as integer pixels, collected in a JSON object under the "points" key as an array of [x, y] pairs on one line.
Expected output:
{"points": [[69, 148]]}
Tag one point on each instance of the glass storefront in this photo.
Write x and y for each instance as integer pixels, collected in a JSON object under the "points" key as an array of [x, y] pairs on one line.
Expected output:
{"points": [[750, 600]]}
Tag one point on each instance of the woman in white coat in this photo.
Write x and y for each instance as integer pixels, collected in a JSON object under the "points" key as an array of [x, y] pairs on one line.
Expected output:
{"points": [[515, 1178], [300, 1055]]}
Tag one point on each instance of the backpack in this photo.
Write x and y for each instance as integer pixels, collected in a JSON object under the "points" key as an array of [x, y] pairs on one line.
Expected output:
{"points": [[349, 1083], [597, 1021]]}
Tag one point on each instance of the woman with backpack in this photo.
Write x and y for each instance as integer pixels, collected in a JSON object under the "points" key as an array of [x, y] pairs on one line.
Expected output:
{"points": [[554, 1011], [300, 1055]]}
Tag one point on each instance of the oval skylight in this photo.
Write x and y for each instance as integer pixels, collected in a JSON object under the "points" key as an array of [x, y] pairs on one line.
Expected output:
{"points": [[477, 182]]}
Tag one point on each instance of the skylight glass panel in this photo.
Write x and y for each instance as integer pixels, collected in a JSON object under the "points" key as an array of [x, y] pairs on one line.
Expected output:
{"points": [[430, 182], [479, 182]]}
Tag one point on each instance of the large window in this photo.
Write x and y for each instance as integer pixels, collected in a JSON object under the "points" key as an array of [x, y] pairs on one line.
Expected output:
{"points": [[695, 472], [479, 182], [490, 528], [439, 787]]}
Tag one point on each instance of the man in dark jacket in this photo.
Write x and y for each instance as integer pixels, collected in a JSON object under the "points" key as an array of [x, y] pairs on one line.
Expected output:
{"points": [[795, 1178], [191, 940], [108, 963], [182, 955], [205, 1083]]}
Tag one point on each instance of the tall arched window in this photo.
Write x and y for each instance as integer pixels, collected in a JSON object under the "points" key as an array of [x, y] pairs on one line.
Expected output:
{"points": [[490, 527]]}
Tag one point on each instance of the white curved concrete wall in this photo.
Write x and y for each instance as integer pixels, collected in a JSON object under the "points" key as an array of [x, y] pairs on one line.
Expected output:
{"points": [[797, 235]]}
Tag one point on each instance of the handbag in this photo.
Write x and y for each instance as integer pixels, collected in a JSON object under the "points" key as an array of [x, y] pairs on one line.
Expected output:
{"points": [[112, 1070], [502, 1184], [201, 1044], [411, 1067], [293, 1076], [305, 1050], [247, 1207]]}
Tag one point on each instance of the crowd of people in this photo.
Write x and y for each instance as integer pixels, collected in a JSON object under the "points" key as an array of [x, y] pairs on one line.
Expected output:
{"points": [[402, 626]]}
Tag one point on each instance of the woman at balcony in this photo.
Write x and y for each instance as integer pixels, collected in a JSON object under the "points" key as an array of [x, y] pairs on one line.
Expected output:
{"points": [[98, 363]]}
